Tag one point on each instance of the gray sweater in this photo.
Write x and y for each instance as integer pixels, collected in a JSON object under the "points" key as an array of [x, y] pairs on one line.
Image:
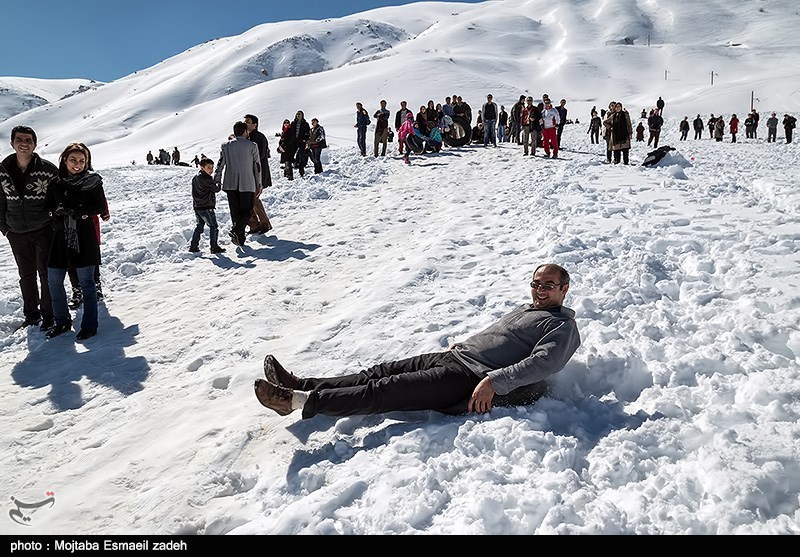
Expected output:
{"points": [[525, 347]]}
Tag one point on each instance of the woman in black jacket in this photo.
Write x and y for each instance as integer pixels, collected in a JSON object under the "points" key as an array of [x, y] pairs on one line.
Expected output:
{"points": [[72, 202], [301, 130]]}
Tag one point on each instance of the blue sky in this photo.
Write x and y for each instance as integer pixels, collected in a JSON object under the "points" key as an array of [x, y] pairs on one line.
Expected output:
{"points": [[106, 40]]}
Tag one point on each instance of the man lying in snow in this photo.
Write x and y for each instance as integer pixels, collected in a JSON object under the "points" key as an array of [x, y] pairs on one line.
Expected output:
{"points": [[506, 364]]}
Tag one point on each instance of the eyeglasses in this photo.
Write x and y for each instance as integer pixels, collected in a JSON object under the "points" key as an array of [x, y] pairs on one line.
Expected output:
{"points": [[546, 286]]}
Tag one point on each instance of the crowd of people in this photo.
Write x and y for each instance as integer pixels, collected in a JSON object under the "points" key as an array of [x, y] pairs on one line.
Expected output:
{"points": [[423, 131], [164, 157], [539, 125], [53, 226]]}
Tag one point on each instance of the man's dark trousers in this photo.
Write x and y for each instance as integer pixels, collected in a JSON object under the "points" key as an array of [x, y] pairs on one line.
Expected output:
{"points": [[31, 251], [437, 381], [241, 204]]}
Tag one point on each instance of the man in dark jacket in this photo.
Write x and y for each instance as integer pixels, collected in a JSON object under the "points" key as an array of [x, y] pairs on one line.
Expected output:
{"points": [[24, 180], [381, 128], [654, 122], [508, 363], [660, 106], [684, 128], [698, 127], [789, 124], [562, 113], [756, 118], [489, 112], [399, 120], [259, 221], [362, 121], [516, 116]]}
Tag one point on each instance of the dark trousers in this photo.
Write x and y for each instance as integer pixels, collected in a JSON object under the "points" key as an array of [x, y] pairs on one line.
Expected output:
{"points": [[698, 134], [361, 139], [594, 136], [788, 134], [240, 203], [316, 158], [287, 159], [654, 137], [301, 159], [772, 133], [31, 251], [437, 381], [624, 153]]}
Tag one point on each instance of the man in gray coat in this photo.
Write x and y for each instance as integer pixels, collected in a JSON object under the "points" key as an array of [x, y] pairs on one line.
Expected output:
{"points": [[239, 160], [505, 364]]}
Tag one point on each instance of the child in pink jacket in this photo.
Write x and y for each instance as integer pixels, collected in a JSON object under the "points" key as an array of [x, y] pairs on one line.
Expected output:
{"points": [[405, 130]]}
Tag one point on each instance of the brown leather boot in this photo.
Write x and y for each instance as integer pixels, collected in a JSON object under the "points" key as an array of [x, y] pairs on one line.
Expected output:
{"points": [[277, 375], [274, 397]]}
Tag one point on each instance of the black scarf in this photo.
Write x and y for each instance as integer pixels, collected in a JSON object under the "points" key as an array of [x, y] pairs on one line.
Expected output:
{"points": [[619, 127], [73, 184]]}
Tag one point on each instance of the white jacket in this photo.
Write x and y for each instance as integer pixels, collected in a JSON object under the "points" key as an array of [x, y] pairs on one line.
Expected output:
{"points": [[551, 118]]}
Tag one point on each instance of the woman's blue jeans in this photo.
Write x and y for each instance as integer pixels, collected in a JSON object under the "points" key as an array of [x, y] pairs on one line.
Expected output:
{"points": [[61, 315]]}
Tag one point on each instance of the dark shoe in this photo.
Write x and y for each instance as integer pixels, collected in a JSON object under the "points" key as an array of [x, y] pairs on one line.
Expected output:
{"points": [[30, 321], [46, 324], [234, 238], [217, 249], [83, 334], [194, 249], [58, 329], [77, 299], [274, 397], [276, 375]]}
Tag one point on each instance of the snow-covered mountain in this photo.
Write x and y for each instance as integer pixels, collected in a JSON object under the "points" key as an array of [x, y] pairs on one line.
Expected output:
{"points": [[679, 413], [585, 52], [19, 94]]}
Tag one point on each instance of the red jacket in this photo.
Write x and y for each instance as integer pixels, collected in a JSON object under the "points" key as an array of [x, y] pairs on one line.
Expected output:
{"points": [[734, 125]]}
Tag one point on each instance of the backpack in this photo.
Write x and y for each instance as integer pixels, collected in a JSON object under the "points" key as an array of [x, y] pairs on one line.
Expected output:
{"points": [[792, 122]]}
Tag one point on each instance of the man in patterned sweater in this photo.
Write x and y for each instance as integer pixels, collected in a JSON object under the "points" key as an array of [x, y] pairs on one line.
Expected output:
{"points": [[24, 180]]}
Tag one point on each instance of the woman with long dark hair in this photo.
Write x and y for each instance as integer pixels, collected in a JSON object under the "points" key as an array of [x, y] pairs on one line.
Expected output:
{"points": [[72, 202], [621, 132]]}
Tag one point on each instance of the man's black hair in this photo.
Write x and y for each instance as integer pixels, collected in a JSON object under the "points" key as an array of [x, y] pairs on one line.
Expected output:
{"points": [[239, 128], [23, 129], [562, 272], [252, 118]]}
